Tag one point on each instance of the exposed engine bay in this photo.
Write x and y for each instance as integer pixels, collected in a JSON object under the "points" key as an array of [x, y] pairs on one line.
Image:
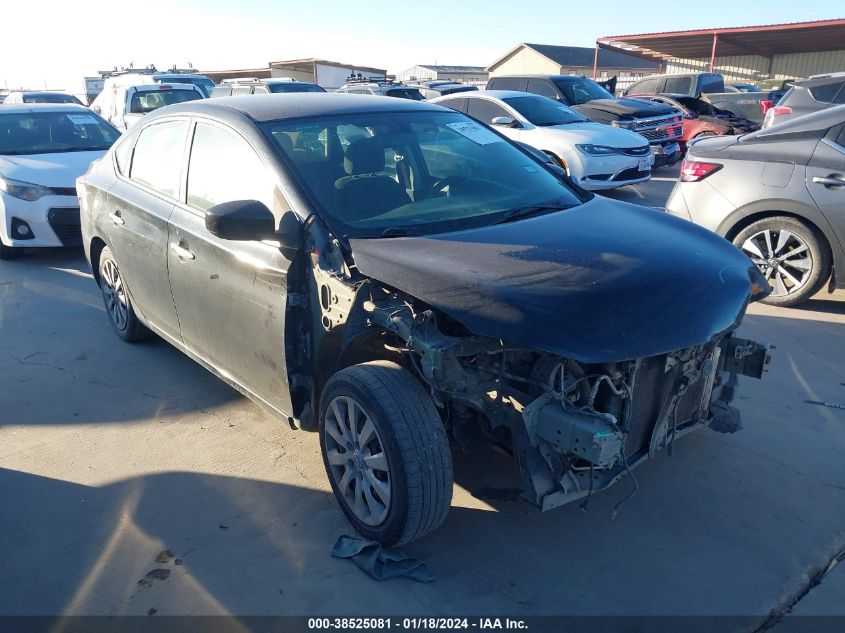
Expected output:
{"points": [[573, 428]]}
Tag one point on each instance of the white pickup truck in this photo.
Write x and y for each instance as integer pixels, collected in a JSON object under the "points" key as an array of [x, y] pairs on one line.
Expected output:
{"points": [[125, 99]]}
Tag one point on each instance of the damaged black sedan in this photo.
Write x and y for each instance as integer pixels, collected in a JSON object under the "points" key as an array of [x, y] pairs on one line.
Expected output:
{"points": [[394, 274]]}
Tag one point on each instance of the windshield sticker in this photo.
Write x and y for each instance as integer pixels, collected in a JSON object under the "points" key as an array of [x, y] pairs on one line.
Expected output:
{"points": [[475, 132], [82, 119]]}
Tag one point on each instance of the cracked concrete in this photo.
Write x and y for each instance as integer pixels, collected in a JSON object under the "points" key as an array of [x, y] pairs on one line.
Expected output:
{"points": [[112, 453]]}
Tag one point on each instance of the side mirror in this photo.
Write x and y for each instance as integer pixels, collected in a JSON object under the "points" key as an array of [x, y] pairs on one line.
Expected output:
{"points": [[505, 121], [250, 220]]}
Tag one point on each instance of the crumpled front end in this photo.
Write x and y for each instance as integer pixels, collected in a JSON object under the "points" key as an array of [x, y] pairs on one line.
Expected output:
{"points": [[574, 428]]}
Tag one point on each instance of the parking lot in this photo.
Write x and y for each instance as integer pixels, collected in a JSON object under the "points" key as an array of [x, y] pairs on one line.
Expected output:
{"points": [[133, 481]]}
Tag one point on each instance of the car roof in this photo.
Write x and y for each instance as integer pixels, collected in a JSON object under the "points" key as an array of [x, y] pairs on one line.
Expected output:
{"points": [[294, 105], [162, 88], [573, 77], [805, 124], [40, 92], [819, 81], [495, 94], [20, 108]]}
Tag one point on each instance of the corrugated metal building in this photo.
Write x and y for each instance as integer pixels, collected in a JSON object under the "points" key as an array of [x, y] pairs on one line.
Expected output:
{"points": [[750, 53], [546, 59], [473, 75], [329, 75]]}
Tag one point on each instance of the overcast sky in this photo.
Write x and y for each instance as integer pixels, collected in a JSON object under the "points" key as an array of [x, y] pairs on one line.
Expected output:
{"points": [[57, 42]]}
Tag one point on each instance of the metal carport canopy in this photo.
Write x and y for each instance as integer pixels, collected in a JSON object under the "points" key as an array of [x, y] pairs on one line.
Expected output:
{"points": [[767, 40]]}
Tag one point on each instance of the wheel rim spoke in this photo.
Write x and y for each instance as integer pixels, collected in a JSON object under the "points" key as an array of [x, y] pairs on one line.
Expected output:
{"points": [[377, 462], [336, 458], [796, 283], [367, 433], [767, 236], [783, 239], [780, 287], [752, 248]]}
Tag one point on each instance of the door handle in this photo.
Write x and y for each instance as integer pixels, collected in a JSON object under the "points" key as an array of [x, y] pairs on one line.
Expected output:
{"points": [[114, 216], [182, 253], [830, 181]]}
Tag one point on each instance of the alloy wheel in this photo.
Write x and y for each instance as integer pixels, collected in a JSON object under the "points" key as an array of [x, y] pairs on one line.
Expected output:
{"points": [[357, 460], [114, 294], [783, 258]]}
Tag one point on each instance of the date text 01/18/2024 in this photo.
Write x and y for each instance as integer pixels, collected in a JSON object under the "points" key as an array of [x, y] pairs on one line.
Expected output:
{"points": [[423, 623]]}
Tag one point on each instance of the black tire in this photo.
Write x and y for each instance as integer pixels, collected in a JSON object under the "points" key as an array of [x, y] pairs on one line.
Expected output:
{"points": [[411, 436], [9, 252], [817, 247], [129, 328]]}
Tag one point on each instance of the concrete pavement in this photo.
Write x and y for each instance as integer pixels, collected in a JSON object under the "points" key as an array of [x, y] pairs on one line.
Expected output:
{"points": [[112, 455]]}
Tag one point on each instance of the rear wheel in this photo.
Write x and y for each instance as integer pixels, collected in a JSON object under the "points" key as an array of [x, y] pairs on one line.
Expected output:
{"points": [[385, 452], [793, 257], [119, 308]]}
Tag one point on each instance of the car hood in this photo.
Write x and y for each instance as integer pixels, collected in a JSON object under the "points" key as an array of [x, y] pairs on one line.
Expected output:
{"points": [[605, 281], [50, 170], [593, 133], [630, 107]]}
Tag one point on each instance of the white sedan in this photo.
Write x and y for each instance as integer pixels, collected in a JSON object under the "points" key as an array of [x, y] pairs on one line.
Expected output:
{"points": [[44, 148], [596, 156]]}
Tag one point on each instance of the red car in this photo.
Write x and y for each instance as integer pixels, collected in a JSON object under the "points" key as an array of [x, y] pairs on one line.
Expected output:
{"points": [[701, 118]]}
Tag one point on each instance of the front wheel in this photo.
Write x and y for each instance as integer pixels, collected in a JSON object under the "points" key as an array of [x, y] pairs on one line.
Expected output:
{"points": [[385, 452], [794, 258]]}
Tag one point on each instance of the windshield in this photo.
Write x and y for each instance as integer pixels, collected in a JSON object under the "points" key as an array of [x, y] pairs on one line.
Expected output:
{"points": [[149, 100], [405, 93], [581, 90], [420, 171], [294, 86], [53, 132], [50, 98], [448, 90], [203, 83], [542, 111]]}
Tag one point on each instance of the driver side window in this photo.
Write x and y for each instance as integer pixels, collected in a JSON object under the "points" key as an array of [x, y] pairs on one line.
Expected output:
{"points": [[223, 167], [485, 111]]}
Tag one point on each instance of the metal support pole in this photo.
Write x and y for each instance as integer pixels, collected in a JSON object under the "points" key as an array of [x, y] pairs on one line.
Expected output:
{"points": [[713, 52], [595, 61]]}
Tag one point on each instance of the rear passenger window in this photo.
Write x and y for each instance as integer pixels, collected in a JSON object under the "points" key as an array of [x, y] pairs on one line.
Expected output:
{"points": [[485, 111], [455, 104], [504, 83], [646, 87], [157, 160], [678, 85], [223, 168], [826, 93], [541, 88]]}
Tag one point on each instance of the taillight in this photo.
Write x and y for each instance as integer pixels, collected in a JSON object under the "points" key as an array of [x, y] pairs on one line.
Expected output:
{"points": [[694, 171], [765, 104], [778, 110]]}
